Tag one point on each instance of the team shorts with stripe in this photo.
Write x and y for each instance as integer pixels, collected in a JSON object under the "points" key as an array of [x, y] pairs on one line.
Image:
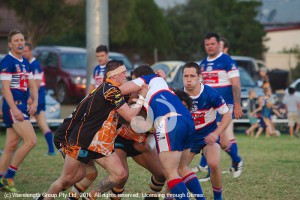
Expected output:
{"points": [[8, 118], [127, 146], [174, 134]]}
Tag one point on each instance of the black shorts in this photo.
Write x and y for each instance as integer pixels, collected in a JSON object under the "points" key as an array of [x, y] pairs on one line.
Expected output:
{"points": [[127, 146]]}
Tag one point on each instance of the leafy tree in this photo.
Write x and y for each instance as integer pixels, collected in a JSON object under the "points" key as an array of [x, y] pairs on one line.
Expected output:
{"points": [[48, 19], [138, 26], [232, 19]]}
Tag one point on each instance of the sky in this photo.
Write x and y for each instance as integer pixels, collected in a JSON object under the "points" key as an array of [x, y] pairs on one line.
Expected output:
{"points": [[168, 3]]}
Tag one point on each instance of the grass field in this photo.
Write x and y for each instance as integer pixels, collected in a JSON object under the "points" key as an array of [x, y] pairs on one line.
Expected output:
{"points": [[272, 171]]}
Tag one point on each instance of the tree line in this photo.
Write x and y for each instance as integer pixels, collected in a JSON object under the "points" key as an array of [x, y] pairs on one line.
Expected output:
{"points": [[139, 26]]}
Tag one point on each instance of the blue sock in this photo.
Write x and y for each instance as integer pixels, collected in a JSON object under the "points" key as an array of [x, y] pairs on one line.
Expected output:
{"points": [[203, 161], [49, 139], [217, 193], [192, 183], [178, 188], [11, 172], [232, 151], [208, 171]]}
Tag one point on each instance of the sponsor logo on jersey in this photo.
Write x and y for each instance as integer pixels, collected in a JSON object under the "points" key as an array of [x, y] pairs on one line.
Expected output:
{"points": [[18, 68], [24, 69]]}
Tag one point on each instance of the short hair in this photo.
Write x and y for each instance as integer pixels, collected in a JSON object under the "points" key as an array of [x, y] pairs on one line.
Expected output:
{"points": [[191, 65], [142, 70], [291, 90], [102, 48], [12, 33], [212, 35], [267, 89], [112, 65], [226, 42], [28, 45], [185, 97]]}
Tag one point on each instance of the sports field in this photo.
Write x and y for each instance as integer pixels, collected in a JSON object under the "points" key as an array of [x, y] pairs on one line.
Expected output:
{"points": [[272, 171]]}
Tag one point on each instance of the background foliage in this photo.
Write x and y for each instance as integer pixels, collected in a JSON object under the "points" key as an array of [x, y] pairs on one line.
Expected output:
{"points": [[137, 27]]}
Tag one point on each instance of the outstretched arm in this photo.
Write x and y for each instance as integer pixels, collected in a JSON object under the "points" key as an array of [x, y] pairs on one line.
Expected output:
{"points": [[129, 87]]}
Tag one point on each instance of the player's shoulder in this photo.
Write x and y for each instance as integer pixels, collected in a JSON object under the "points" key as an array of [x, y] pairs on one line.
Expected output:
{"points": [[36, 62], [226, 57], [210, 91], [7, 59]]}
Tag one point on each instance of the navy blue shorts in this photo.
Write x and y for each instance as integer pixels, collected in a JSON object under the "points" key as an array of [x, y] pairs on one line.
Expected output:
{"points": [[40, 107], [8, 118], [199, 144]]}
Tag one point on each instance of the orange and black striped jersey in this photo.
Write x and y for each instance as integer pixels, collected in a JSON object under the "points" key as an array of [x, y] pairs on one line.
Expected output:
{"points": [[97, 128]]}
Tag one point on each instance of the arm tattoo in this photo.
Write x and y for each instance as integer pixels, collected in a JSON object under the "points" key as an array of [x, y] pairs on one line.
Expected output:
{"points": [[105, 185], [236, 91]]}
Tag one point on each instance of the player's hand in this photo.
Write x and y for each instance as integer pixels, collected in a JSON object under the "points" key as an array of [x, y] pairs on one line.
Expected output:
{"points": [[238, 112], [211, 138], [32, 108], [17, 114], [29, 101], [161, 73], [143, 91]]}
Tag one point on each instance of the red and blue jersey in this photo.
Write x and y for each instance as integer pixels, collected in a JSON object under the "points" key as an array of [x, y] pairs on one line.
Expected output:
{"points": [[217, 73], [204, 110], [173, 122], [38, 74], [18, 72], [160, 98], [98, 75]]}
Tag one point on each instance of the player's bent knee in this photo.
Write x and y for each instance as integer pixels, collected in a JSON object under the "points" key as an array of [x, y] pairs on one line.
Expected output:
{"points": [[31, 143], [214, 165], [121, 176]]}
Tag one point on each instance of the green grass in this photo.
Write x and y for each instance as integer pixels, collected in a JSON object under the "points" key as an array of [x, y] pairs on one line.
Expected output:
{"points": [[272, 171]]}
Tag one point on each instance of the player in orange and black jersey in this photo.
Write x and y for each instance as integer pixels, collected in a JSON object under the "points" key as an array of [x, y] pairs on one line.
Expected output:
{"points": [[93, 137]]}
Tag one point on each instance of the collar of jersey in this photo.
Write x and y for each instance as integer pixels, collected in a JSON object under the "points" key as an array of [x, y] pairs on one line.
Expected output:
{"points": [[112, 82]]}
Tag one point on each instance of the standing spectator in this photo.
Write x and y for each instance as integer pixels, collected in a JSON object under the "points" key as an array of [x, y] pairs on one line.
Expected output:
{"points": [[99, 70], [40, 115], [292, 103], [219, 71], [16, 79], [263, 80]]}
